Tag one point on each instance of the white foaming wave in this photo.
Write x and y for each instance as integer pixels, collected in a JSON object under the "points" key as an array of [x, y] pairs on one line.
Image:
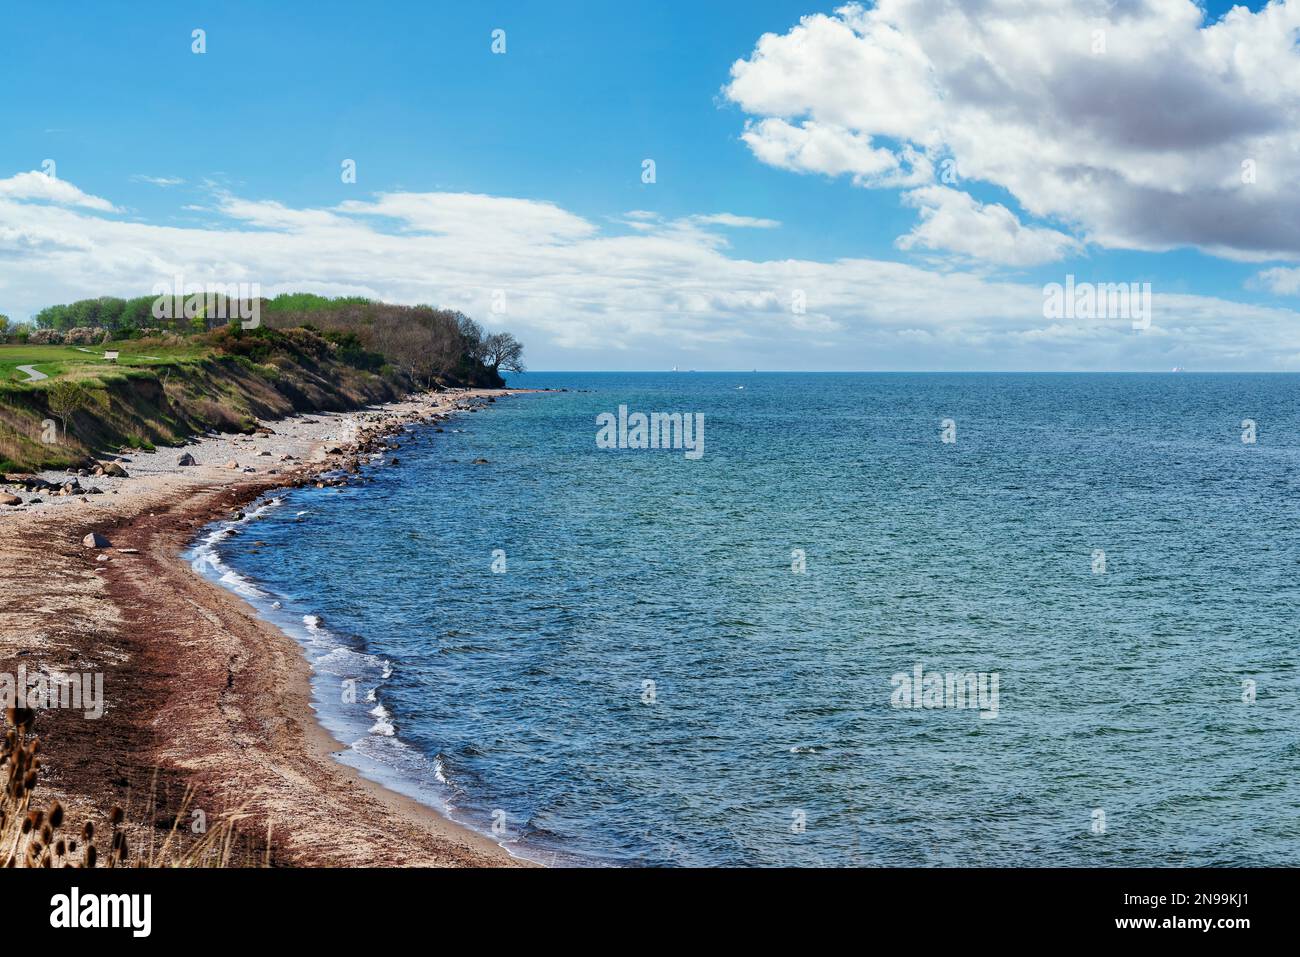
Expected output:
{"points": [[262, 508], [241, 585], [383, 722], [207, 562], [207, 556], [344, 662], [329, 655]]}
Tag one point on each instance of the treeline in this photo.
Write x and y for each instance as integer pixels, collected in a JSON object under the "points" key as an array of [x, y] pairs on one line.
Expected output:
{"points": [[427, 344], [432, 346]]}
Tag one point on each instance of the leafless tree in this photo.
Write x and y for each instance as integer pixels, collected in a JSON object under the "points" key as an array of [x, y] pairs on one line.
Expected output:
{"points": [[501, 350]]}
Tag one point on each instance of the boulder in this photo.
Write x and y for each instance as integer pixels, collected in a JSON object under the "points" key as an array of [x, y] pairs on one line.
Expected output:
{"points": [[232, 464], [96, 540], [113, 469], [7, 499], [186, 459]]}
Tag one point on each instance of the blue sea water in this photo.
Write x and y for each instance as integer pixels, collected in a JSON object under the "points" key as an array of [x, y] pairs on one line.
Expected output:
{"points": [[1148, 705]]}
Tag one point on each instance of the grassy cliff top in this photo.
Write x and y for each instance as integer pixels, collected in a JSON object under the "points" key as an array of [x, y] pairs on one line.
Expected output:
{"points": [[82, 362]]}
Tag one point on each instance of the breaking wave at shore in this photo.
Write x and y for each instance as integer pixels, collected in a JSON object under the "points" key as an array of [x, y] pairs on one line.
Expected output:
{"points": [[347, 680]]}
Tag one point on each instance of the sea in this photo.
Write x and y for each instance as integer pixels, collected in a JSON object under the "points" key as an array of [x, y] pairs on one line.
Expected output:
{"points": [[955, 620]]}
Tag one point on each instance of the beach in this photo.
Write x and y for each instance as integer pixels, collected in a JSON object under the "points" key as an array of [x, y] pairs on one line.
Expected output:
{"points": [[199, 693]]}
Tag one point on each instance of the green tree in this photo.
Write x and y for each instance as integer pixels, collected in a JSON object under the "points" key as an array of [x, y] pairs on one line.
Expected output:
{"points": [[67, 397]]}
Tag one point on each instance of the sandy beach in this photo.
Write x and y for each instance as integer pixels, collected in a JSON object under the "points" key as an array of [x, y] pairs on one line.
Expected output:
{"points": [[199, 692]]}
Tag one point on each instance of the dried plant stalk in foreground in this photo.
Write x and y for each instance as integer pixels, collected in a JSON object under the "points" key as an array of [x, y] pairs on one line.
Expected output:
{"points": [[32, 836]]}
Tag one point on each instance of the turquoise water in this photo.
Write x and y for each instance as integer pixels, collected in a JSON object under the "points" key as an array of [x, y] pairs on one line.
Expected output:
{"points": [[1125, 731]]}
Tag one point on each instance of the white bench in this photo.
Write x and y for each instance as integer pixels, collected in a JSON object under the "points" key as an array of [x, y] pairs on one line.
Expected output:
{"points": [[110, 356]]}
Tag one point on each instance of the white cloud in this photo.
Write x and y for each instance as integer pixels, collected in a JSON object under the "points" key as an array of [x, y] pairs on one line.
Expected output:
{"points": [[1284, 282], [814, 147], [473, 214], [1127, 122], [731, 219], [955, 221], [583, 298], [162, 181], [36, 185]]}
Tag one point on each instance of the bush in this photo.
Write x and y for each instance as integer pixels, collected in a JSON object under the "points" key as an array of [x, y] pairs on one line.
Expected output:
{"points": [[84, 336]]}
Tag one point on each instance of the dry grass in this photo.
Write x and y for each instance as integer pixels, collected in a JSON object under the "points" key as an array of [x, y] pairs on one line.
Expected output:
{"points": [[35, 837]]}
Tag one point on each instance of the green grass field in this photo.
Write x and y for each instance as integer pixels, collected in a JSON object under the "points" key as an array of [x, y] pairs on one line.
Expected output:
{"points": [[84, 361]]}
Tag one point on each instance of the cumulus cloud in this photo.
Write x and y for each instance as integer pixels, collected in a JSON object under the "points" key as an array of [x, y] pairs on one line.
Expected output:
{"points": [[955, 221], [813, 147], [1136, 125]]}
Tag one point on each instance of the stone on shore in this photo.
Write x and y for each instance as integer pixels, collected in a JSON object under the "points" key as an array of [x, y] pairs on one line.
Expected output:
{"points": [[96, 540], [186, 459], [7, 499]]}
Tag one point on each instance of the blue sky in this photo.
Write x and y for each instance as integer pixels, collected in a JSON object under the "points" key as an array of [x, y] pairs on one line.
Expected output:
{"points": [[413, 93]]}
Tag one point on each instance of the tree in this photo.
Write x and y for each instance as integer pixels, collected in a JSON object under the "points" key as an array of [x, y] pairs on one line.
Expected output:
{"points": [[471, 337], [4, 325], [501, 350], [67, 397]]}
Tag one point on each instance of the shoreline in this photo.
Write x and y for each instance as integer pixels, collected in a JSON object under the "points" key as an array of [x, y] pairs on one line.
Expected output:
{"points": [[197, 685]]}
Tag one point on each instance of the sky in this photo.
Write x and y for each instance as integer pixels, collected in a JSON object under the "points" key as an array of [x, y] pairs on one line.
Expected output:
{"points": [[766, 184]]}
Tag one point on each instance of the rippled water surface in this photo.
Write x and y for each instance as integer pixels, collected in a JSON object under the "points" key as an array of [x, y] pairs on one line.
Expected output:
{"points": [[520, 698]]}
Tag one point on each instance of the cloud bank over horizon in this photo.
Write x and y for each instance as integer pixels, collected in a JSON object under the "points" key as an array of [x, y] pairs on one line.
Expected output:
{"points": [[642, 293]]}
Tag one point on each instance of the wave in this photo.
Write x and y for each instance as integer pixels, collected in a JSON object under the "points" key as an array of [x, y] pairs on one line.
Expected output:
{"points": [[343, 675]]}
